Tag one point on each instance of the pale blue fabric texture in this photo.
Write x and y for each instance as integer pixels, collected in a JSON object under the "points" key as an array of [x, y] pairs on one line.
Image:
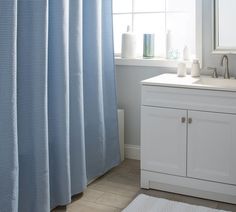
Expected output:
{"points": [[58, 113]]}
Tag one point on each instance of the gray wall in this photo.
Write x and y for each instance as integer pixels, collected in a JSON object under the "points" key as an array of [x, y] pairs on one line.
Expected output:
{"points": [[129, 77]]}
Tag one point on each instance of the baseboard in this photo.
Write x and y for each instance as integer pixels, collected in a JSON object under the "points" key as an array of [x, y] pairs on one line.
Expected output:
{"points": [[188, 186], [132, 152]]}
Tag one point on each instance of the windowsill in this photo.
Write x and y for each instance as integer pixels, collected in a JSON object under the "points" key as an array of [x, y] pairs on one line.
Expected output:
{"points": [[153, 62]]}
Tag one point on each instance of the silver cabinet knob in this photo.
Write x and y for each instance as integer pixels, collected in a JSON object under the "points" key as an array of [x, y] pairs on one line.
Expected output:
{"points": [[190, 120], [183, 119]]}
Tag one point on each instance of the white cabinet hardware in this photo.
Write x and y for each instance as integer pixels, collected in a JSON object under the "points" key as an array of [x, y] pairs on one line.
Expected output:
{"points": [[183, 119], [190, 120]]}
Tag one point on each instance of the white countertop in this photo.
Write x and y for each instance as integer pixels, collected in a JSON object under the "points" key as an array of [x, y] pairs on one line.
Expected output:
{"points": [[203, 82]]}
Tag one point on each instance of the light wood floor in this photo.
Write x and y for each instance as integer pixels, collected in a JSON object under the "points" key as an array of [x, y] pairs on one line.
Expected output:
{"points": [[116, 189]]}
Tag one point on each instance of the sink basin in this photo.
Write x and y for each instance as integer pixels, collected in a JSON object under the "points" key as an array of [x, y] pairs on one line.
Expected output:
{"points": [[203, 82], [217, 83]]}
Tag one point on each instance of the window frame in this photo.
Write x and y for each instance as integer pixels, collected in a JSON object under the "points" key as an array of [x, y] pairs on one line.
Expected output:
{"points": [[163, 62]]}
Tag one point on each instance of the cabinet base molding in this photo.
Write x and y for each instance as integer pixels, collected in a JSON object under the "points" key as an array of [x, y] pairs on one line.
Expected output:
{"points": [[189, 186]]}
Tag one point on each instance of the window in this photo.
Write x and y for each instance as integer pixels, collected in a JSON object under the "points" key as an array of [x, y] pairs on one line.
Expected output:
{"points": [[156, 16]]}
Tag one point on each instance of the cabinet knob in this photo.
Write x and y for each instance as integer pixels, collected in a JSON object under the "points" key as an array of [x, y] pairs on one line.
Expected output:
{"points": [[183, 119], [190, 120]]}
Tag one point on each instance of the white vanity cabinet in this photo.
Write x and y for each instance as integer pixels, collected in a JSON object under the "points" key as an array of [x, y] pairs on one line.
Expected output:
{"points": [[164, 136], [212, 147], [188, 140]]}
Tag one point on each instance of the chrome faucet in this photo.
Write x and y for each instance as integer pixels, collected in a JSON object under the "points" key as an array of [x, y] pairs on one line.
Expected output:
{"points": [[225, 58]]}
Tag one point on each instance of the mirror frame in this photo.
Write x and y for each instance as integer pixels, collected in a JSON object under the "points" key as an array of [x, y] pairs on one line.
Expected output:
{"points": [[199, 30], [215, 37]]}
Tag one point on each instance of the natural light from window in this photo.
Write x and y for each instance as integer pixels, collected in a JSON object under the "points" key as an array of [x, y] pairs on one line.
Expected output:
{"points": [[156, 16]]}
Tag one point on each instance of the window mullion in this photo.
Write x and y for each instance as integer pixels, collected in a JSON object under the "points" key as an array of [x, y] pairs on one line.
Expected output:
{"points": [[165, 17], [133, 15]]}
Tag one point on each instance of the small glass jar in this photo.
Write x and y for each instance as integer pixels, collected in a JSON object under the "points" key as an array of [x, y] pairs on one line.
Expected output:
{"points": [[148, 45]]}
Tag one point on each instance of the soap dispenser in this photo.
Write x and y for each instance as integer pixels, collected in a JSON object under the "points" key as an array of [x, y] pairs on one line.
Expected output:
{"points": [[195, 71], [186, 53]]}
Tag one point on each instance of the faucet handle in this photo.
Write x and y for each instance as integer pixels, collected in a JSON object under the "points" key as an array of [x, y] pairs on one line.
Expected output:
{"points": [[214, 73]]}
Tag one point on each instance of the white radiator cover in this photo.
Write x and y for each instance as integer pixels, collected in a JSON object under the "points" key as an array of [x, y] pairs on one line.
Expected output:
{"points": [[120, 113]]}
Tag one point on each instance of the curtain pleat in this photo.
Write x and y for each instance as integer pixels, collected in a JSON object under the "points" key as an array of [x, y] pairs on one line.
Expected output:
{"points": [[92, 88], [58, 97], [77, 134], [58, 115], [32, 105], [109, 88], [99, 88], [9, 167]]}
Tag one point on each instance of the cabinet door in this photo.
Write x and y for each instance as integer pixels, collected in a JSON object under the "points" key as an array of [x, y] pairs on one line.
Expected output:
{"points": [[212, 147], [163, 140]]}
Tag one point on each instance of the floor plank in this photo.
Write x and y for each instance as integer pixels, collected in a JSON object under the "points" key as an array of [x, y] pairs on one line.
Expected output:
{"points": [[117, 188]]}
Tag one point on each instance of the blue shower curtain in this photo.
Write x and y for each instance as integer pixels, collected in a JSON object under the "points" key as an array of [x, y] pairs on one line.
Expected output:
{"points": [[58, 119]]}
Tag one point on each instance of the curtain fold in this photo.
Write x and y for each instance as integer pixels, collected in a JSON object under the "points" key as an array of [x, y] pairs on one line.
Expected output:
{"points": [[32, 102], [99, 87], [58, 119], [9, 169]]}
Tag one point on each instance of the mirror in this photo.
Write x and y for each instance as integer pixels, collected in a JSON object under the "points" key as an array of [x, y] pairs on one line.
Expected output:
{"points": [[224, 26]]}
